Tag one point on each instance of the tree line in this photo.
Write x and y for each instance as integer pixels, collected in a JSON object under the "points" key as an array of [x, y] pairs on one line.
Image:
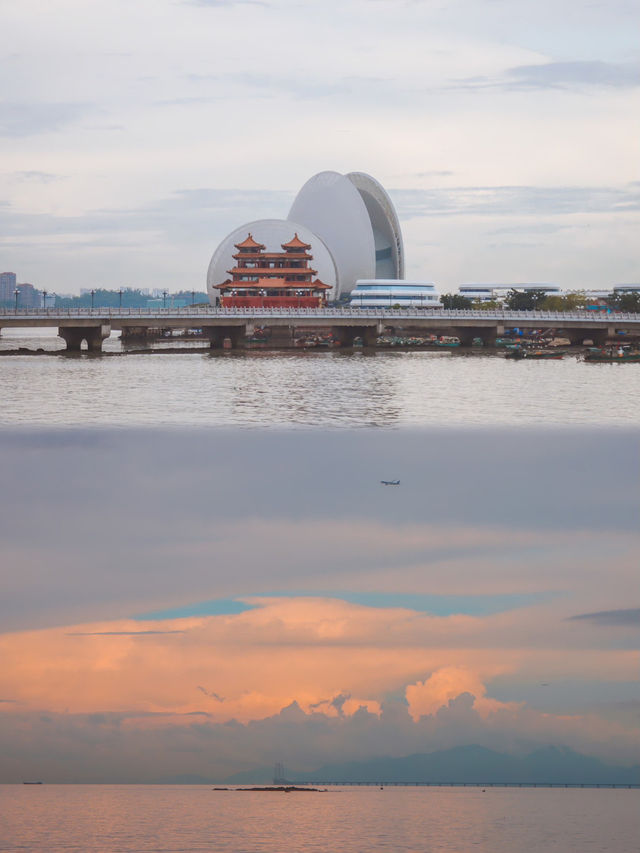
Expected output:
{"points": [[541, 300], [125, 298]]}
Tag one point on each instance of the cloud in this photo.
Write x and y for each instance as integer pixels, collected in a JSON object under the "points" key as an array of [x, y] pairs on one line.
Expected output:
{"points": [[584, 74], [211, 694], [622, 618], [38, 176], [571, 76], [317, 652], [517, 200], [445, 685], [191, 214], [119, 633], [378, 608], [107, 747], [32, 119], [226, 4], [357, 538]]}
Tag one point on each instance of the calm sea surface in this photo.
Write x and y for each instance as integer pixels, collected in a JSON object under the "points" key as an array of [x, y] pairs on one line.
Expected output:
{"points": [[131, 818], [388, 389]]}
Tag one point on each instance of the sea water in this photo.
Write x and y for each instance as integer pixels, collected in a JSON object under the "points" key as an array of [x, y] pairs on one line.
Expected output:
{"points": [[329, 389], [185, 819]]}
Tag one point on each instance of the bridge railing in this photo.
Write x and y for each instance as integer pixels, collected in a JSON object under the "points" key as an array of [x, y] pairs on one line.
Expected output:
{"points": [[509, 317]]}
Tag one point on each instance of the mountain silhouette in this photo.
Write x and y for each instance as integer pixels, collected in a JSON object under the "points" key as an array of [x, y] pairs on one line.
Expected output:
{"points": [[464, 764]]}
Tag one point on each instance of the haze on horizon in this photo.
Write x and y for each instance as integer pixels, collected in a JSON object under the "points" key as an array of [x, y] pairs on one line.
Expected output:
{"points": [[135, 136]]}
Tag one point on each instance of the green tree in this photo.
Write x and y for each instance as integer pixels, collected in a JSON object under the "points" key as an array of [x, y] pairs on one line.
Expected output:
{"points": [[198, 296], [486, 305], [554, 303], [624, 301], [525, 300], [455, 301]]}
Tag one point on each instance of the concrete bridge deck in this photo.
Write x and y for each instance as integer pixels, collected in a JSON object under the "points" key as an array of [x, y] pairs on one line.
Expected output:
{"points": [[93, 325]]}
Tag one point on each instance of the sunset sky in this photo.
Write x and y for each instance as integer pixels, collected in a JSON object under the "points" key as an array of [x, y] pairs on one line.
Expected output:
{"points": [[136, 135], [207, 601]]}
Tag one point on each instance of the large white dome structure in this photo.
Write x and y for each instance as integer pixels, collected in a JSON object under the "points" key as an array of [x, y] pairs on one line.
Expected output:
{"points": [[350, 222]]}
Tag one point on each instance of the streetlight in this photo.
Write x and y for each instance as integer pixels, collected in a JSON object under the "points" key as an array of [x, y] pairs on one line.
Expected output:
{"points": [[193, 297], [93, 293], [16, 293], [164, 298], [120, 298], [44, 300]]}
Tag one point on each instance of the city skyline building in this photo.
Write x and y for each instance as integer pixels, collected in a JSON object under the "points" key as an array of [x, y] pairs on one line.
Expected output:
{"points": [[28, 296], [8, 284]]}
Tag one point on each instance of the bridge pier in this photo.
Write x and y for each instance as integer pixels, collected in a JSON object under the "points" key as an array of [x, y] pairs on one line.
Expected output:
{"points": [[234, 335], [73, 336], [347, 334], [488, 334], [598, 336], [137, 333]]}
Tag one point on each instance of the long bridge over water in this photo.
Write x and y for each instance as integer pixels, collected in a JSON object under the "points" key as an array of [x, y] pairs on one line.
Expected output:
{"points": [[236, 325], [396, 784]]}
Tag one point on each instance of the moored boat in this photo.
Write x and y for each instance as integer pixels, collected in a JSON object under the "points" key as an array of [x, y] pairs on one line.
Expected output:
{"points": [[613, 355], [447, 341]]}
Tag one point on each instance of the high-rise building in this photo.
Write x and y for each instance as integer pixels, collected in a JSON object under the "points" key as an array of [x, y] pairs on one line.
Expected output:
{"points": [[28, 296], [7, 286]]}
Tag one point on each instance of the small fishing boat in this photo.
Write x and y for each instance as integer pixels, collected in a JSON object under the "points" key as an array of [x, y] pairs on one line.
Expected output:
{"points": [[613, 355]]}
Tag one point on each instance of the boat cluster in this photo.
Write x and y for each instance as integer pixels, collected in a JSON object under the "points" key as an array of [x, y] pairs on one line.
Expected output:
{"points": [[443, 341], [321, 339]]}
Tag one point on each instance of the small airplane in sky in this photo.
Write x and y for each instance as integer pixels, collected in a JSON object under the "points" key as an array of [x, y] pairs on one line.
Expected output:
{"points": [[390, 482]]}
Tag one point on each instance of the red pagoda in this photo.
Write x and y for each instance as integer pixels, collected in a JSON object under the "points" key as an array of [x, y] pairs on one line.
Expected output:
{"points": [[262, 279]]}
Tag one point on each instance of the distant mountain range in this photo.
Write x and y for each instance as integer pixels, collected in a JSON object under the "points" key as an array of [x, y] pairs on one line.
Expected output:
{"points": [[470, 764]]}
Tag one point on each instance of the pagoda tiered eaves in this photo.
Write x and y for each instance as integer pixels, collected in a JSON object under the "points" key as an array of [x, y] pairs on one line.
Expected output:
{"points": [[273, 278]]}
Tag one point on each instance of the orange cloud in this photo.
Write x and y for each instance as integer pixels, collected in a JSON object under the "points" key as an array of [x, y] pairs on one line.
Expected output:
{"points": [[427, 697], [251, 665]]}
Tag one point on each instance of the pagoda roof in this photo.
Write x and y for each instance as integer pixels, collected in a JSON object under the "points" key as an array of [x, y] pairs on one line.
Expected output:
{"points": [[279, 271], [273, 283], [295, 243], [281, 256], [249, 243]]}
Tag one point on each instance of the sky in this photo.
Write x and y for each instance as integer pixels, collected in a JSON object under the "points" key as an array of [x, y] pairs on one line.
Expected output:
{"points": [[135, 136], [208, 601]]}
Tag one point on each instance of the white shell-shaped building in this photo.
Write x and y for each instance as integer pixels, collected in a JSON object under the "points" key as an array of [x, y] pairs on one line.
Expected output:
{"points": [[350, 222]]}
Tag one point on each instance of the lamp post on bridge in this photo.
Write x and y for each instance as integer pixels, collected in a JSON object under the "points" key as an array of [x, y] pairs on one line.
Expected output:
{"points": [[93, 293], [16, 293], [44, 300], [193, 298], [164, 298], [120, 299]]}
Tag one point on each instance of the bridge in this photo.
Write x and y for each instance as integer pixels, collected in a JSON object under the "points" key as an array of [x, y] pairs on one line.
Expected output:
{"points": [[232, 326], [448, 784]]}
